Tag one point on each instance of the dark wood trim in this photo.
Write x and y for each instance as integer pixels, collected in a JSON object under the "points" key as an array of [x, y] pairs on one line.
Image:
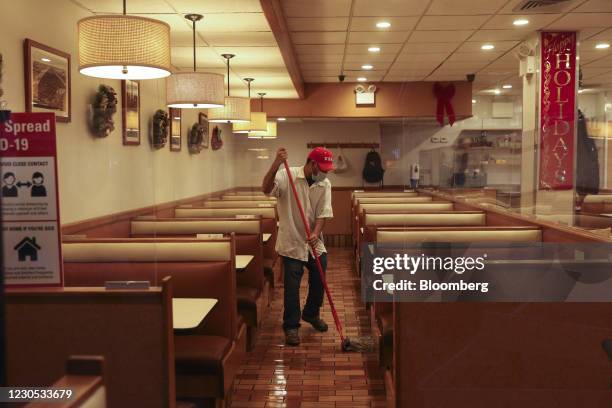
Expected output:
{"points": [[124, 114], [344, 145], [273, 11], [27, 61], [76, 227], [551, 231], [393, 188]]}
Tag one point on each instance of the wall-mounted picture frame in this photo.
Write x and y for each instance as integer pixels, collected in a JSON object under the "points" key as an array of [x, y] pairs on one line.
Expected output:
{"points": [[175, 130], [203, 120], [130, 109], [47, 80]]}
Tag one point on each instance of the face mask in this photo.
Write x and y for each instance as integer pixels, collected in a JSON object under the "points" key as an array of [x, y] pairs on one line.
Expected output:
{"points": [[320, 176]]}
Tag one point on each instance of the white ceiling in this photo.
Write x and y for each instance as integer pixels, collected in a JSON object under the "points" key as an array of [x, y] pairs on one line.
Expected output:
{"points": [[229, 26], [436, 40], [432, 40]]}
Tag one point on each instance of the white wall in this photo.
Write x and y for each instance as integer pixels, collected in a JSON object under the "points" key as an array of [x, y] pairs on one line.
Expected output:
{"points": [[294, 137], [101, 176], [403, 142]]}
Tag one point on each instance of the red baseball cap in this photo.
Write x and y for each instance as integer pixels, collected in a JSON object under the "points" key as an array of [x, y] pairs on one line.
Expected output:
{"points": [[323, 157]]}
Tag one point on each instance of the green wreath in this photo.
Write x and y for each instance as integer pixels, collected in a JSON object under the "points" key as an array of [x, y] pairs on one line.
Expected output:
{"points": [[161, 125], [104, 107], [196, 137]]}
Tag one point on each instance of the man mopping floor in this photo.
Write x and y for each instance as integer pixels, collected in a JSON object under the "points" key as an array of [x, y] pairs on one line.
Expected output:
{"points": [[314, 192]]}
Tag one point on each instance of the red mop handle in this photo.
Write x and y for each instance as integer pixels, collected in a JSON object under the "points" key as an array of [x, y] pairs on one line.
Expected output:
{"points": [[316, 256]]}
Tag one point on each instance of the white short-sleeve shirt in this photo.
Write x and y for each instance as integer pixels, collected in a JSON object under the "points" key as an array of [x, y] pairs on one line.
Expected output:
{"points": [[316, 201]]}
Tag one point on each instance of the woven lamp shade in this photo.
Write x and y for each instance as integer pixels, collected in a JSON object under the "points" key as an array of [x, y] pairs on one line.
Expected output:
{"points": [[124, 47], [258, 122], [237, 109], [270, 133], [195, 90]]}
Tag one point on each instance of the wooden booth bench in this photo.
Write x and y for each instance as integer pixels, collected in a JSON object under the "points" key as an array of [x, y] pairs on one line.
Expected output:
{"points": [[373, 220], [597, 204], [238, 204], [268, 223], [85, 378], [381, 312], [207, 355], [253, 290], [467, 354], [394, 208], [244, 197], [131, 329]]}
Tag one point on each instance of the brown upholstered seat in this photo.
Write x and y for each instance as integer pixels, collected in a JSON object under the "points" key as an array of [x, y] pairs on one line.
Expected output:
{"points": [[247, 297], [268, 265], [197, 354]]}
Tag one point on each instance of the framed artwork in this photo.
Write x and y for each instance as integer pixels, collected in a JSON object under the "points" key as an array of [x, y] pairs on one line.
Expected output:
{"points": [[47, 80], [203, 120], [130, 103], [175, 130]]}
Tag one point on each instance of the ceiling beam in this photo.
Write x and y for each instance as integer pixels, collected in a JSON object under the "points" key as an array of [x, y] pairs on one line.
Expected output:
{"points": [[276, 19]]}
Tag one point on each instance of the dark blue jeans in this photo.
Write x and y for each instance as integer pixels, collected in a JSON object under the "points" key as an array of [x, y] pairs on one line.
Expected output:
{"points": [[294, 269]]}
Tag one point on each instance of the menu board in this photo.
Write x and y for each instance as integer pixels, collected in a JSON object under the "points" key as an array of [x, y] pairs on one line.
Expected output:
{"points": [[31, 240]]}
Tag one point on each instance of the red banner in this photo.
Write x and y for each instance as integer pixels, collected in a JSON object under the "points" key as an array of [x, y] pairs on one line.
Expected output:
{"points": [[557, 110]]}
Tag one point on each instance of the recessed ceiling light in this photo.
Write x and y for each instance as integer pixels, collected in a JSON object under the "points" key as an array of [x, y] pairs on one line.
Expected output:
{"points": [[362, 79], [496, 91], [520, 22], [473, 100], [383, 24], [507, 86], [367, 66], [602, 46], [487, 47], [45, 59], [281, 119], [374, 49]]}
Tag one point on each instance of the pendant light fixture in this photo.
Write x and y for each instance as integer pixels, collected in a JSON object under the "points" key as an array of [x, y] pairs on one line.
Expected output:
{"points": [[270, 130], [194, 89], [237, 109], [258, 119], [123, 47]]}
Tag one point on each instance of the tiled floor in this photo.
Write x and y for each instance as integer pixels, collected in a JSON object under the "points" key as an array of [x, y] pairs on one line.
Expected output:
{"points": [[317, 373]]}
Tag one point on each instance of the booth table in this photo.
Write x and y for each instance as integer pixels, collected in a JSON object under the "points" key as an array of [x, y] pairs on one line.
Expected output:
{"points": [[189, 313]]}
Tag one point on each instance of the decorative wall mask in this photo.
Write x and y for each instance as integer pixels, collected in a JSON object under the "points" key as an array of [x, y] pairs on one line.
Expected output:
{"points": [[103, 109], [161, 125], [215, 140]]}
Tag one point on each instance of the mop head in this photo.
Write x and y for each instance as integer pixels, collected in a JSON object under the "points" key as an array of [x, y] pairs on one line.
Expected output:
{"points": [[358, 344]]}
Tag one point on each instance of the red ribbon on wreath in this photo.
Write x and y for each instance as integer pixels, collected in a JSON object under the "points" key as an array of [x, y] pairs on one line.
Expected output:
{"points": [[444, 95]]}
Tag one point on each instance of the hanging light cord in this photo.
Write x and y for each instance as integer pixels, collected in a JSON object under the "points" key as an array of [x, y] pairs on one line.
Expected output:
{"points": [[194, 46], [228, 79]]}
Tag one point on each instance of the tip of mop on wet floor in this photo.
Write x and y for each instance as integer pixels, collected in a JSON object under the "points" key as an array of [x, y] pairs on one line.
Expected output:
{"points": [[358, 344]]}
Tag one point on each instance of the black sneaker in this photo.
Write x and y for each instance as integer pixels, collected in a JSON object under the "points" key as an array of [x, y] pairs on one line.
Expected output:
{"points": [[316, 322], [292, 338]]}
